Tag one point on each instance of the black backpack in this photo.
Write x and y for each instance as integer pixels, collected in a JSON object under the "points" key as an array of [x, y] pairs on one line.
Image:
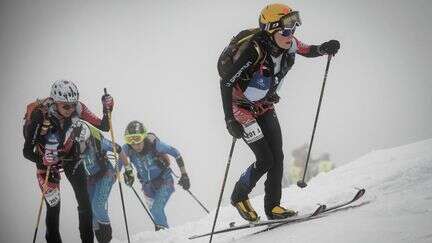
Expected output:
{"points": [[236, 46]]}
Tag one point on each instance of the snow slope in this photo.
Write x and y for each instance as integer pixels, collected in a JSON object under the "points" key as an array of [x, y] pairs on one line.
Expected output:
{"points": [[396, 207]]}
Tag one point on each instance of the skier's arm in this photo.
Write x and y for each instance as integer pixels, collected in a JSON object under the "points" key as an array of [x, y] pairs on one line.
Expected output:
{"points": [[106, 145], [88, 116], [124, 155], [123, 159], [164, 148], [246, 60], [33, 137], [307, 50]]}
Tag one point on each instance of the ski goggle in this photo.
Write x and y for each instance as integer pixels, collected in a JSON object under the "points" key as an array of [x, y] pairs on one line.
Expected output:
{"points": [[135, 138], [289, 21]]}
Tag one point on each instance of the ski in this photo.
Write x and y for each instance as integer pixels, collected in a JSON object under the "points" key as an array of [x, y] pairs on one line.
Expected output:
{"points": [[299, 218], [357, 196]]}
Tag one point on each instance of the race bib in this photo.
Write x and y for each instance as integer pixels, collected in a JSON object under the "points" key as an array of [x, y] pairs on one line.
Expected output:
{"points": [[52, 196], [252, 132]]}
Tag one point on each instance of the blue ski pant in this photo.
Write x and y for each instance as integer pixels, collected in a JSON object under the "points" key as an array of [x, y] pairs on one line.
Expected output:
{"points": [[159, 194], [99, 190]]}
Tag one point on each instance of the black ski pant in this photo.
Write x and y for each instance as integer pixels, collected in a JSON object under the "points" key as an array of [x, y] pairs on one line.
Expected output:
{"points": [[269, 159], [78, 180]]}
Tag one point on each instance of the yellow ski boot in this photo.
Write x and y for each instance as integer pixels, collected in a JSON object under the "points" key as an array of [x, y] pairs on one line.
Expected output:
{"points": [[246, 211], [279, 212]]}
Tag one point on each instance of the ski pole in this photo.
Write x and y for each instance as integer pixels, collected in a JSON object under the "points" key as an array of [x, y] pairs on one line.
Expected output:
{"points": [[142, 203], [193, 196], [41, 203], [117, 170], [198, 201], [223, 187], [301, 183]]}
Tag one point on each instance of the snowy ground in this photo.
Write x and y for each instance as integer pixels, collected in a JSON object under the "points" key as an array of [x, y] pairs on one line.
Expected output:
{"points": [[396, 206]]}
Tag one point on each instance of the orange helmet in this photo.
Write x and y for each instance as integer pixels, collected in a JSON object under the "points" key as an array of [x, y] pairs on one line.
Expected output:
{"points": [[278, 17]]}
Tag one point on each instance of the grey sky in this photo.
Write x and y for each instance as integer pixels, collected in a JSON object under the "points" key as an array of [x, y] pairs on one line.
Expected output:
{"points": [[158, 60]]}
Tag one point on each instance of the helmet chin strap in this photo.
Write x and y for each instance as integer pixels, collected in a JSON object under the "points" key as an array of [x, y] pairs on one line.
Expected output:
{"points": [[275, 50]]}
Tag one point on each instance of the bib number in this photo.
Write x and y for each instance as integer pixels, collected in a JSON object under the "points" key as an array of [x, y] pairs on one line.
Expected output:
{"points": [[52, 196], [252, 132]]}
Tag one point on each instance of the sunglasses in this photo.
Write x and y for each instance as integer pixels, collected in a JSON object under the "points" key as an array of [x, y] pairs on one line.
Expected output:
{"points": [[134, 138], [287, 32]]}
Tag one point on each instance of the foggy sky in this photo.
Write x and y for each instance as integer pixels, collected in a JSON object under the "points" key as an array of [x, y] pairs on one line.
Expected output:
{"points": [[158, 61]]}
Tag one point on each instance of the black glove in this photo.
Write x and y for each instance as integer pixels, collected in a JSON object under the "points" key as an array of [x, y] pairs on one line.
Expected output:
{"points": [[330, 47], [274, 98], [234, 128], [128, 176], [107, 103], [46, 125], [184, 181]]}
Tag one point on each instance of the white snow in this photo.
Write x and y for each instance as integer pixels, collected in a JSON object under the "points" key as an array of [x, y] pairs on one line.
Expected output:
{"points": [[396, 207]]}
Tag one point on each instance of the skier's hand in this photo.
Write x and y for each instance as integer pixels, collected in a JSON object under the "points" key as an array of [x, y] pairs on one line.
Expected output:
{"points": [[46, 124], [75, 131], [184, 181], [50, 157], [128, 175], [107, 103], [274, 98], [330, 47], [234, 128]]}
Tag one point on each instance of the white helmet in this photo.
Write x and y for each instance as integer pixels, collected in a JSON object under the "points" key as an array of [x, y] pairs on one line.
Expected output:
{"points": [[64, 91]]}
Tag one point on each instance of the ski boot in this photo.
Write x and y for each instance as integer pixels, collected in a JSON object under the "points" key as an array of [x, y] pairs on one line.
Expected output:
{"points": [[246, 211], [159, 227], [279, 212]]}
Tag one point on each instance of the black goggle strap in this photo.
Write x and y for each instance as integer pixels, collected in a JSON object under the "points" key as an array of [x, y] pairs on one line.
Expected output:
{"points": [[289, 21]]}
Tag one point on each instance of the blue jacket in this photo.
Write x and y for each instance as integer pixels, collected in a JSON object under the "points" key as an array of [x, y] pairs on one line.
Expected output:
{"points": [[93, 157], [147, 162]]}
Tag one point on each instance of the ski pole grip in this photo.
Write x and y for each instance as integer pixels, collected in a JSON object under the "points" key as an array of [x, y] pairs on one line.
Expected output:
{"points": [[105, 91]]}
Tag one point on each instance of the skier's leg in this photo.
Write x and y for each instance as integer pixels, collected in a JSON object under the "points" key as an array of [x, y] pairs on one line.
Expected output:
{"points": [[160, 200], [256, 140], [52, 234], [91, 188], [101, 221], [273, 183], [249, 178], [273, 134], [52, 202], [78, 180]]}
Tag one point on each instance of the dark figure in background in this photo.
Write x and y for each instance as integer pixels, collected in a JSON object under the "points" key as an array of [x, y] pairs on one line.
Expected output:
{"points": [[295, 172]]}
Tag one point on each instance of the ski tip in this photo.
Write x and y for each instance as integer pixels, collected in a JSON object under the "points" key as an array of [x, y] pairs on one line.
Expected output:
{"points": [[360, 193]]}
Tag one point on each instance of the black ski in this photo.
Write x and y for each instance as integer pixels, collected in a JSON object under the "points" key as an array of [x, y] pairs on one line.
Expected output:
{"points": [[299, 218], [358, 195]]}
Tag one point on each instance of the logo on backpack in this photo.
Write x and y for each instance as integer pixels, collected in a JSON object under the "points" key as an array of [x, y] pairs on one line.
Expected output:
{"points": [[232, 52]]}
